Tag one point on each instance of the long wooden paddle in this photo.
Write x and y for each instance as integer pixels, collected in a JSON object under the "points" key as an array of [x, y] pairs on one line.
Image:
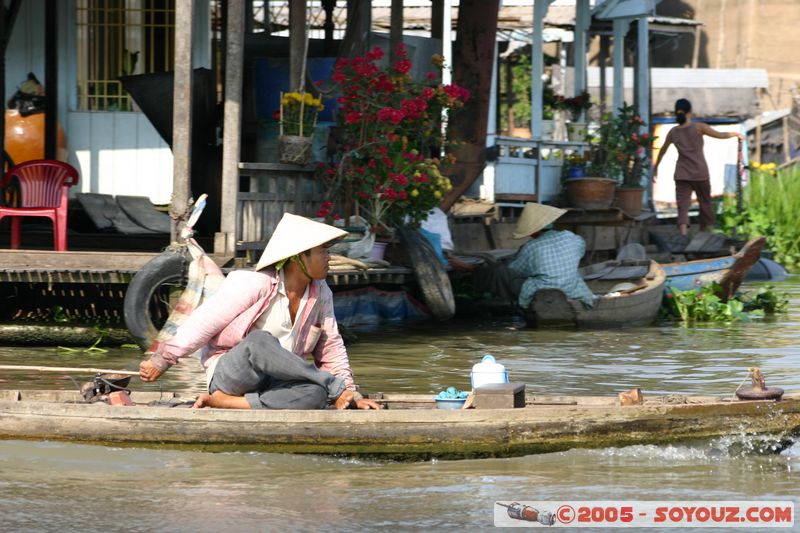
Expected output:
{"points": [[68, 370]]}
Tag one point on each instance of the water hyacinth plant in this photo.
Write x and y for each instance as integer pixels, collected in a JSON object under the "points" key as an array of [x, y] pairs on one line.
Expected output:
{"points": [[389, 161], [705, 305], [770, 202]]}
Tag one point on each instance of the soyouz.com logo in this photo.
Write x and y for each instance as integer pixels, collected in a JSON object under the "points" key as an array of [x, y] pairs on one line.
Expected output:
{"points": [[637, 514]]}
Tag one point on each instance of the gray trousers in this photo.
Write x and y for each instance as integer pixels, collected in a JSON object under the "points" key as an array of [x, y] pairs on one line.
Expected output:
{"points": [[271, 377], [495, 279]]}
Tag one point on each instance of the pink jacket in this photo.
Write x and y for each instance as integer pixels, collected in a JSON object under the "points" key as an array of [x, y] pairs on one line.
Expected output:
{"points": [[226, 318]]}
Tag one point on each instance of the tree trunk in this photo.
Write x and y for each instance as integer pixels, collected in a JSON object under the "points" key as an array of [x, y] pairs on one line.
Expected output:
{"points": [[473, 58]]}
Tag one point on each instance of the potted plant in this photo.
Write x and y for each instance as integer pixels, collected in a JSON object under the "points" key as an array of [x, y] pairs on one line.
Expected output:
{"points": [[596, 189], [298, 118], [576, 106], [618, 156], [633, 149], [388, 161]]}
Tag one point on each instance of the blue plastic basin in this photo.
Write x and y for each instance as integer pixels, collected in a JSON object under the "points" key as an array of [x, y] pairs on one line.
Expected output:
{"points": [[450, 403]]}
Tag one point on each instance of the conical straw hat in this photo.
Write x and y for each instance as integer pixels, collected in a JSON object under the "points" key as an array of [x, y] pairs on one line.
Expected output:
{"points": [[295, 234], [534, 218]]}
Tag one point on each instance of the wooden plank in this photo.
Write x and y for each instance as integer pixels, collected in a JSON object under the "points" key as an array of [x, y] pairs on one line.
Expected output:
{"points": [[590, 216], [705, 242], [41, 260], [80, 261], [515, 197]]}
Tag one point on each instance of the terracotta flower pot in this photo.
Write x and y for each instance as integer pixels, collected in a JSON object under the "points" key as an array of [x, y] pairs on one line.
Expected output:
{"points": [[629, 199], [591, 193]]}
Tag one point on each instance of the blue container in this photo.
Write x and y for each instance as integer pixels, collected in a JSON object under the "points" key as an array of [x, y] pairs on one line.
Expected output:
{"points": [[576, 172], [450, 403]]}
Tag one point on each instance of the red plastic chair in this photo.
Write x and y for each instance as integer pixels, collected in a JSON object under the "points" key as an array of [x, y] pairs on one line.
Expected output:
{"points": [[41, 191]]}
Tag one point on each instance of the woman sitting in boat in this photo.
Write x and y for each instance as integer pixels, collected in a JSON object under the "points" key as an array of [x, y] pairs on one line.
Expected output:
{"points": [[549, 260], [256, 330]]}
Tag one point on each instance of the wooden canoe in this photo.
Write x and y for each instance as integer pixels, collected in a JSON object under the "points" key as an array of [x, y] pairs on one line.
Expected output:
{"points": [[409, 428], [728, 271], [635, 306]]}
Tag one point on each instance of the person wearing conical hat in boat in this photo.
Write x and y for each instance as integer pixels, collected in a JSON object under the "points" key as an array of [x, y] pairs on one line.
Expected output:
{"points": [[256, 330], [549, 260]]}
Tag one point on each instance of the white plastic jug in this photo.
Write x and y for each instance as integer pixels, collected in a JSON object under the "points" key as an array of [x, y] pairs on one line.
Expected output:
{"points": [[488, 371]]}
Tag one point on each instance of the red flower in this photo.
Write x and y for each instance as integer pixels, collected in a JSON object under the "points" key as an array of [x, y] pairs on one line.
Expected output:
{"points": [[353, 117], [376, 54], [402, 66], [389, 114]]}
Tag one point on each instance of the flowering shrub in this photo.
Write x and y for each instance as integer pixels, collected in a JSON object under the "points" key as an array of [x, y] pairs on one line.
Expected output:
{"points": [[391, 138], [298, 113], [619, 150]]}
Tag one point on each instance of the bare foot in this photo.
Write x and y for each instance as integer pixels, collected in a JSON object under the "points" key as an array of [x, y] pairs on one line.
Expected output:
{"points": [[344, 400], [203, 400]]}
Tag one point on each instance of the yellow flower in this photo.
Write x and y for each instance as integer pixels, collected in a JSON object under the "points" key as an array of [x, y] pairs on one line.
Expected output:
{"points": [[437, 194], [755, 164], [769, 166], [414, 193]]}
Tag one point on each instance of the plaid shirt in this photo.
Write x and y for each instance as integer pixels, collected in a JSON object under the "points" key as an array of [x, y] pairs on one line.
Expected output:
{"points": [[551, 262]]}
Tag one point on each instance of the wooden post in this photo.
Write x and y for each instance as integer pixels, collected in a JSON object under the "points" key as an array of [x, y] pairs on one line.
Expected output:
{"points": [[437, 16], [356, 35], [621, 26], [537, 67], [297, 44], [395, 29], [758, 138], [582, 21], [51, 79], [328, 26], [603, 60], [225, 240], [182, 116], [643, 71], [787, 150], [473, 59], [509, 96]]}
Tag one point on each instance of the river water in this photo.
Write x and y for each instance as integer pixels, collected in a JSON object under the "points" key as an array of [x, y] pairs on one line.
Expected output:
{"points": [[53, 486]]}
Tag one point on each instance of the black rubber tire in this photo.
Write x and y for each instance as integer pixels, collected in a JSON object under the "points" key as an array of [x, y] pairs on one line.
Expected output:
{"points": [[437, 292], [146, 305]]}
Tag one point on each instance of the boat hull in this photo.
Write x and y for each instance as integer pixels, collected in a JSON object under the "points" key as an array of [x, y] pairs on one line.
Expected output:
{"points": [[409, 429], [551, 307], [728, 271]]}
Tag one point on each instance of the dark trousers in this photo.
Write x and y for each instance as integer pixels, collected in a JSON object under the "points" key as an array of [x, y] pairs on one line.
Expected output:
{"points": [[683, 195], [271, 377]]}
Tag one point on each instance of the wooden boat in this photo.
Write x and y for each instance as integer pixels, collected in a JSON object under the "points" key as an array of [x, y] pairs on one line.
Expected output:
{"points": [[728, 271], [630, 293], [408, 428]]}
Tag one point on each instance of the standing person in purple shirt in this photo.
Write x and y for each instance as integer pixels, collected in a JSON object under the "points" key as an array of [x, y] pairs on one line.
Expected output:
{"points": [[691, 171]]}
